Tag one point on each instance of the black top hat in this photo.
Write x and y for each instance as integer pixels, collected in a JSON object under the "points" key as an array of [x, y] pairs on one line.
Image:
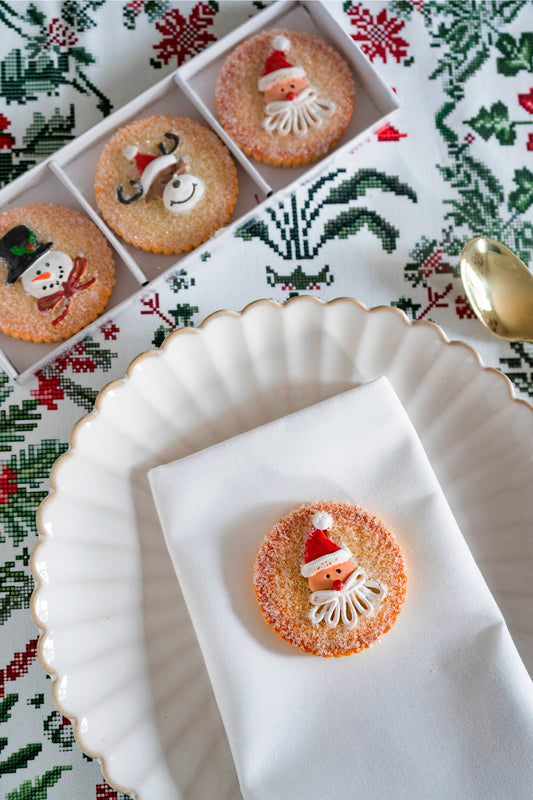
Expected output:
{"points": [[20, 248]]}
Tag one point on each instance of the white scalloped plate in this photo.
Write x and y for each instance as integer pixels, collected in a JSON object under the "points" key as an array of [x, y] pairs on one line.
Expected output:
{"points": [[116, 635]]}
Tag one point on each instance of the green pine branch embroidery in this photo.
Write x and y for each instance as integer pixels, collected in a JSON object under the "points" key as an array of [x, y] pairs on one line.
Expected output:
{"points": [[38, 788], [295, 226], [6, 705], [21, 758], [20, 492], [28, 790], [17, 421], [16, 588]]}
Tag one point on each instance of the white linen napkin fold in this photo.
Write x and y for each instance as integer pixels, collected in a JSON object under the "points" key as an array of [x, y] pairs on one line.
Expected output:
{"points": [[441, 707]]}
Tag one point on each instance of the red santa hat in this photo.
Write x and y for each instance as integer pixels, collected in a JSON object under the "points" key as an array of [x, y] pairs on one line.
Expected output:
{"points": [[148, 165], [320, 552], [276, 67]]}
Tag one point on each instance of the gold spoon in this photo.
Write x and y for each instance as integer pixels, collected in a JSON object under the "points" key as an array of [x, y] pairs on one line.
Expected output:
{"points": [[499, 287]]}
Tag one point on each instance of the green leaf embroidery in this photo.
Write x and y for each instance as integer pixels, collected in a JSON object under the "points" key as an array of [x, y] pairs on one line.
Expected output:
{"points": [[515, 55], [82, 55], [497, 122], [522, 197]]}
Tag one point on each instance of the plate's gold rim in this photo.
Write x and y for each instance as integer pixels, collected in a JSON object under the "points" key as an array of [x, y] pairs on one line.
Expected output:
{"points": [[117, 383]]}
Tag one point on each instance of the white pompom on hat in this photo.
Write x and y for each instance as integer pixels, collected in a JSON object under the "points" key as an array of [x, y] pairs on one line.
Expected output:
{"points": [[322, 520], [277, 68]]}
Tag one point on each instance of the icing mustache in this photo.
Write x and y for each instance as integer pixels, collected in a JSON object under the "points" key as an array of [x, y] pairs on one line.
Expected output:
{"points": [[306, 110]]}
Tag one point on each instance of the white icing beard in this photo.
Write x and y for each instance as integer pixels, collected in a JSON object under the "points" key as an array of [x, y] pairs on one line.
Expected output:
{"points": [[356, 600], [307, 110], [182, 192], [47, 273]]}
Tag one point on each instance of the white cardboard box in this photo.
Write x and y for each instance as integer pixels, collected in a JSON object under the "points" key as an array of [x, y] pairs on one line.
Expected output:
{"points": [[67, 177]]}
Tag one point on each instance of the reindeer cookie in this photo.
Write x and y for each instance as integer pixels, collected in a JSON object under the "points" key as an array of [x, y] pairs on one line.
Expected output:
{"points": [[56, 272], [330, 578], [166, 184], [285, 97]]}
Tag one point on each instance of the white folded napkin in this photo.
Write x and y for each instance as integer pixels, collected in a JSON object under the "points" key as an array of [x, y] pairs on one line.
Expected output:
{"points": [[441, 707]]}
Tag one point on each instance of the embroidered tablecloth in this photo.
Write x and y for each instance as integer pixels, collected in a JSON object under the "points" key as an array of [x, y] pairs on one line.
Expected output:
{"points": [[455, 161]]}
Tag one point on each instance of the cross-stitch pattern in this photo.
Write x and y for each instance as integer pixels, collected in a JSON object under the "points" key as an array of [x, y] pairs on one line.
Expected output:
{"points": [[385, 223]]}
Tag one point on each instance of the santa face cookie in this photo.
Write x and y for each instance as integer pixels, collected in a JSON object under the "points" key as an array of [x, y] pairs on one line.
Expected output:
{"points": [[56, 272], [166, 184], [285, 97], [330, 579]]}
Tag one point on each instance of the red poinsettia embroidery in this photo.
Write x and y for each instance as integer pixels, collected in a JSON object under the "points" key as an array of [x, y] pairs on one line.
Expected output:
{"points": [[6, 140], [378, 36], [526, 101], [8, 484], [60, 35], [529, 144], [49, 391], [184, 38]]}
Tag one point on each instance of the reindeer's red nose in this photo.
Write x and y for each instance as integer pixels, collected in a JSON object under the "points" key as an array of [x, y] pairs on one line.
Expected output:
{"points": [[337, 585], [290, 96]]}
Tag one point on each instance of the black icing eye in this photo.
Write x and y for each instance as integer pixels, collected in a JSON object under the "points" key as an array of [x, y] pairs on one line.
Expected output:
{"points": [[47, 264], [176, 184], [38, 272], [327, 576], [337, 570], [292, 85]]}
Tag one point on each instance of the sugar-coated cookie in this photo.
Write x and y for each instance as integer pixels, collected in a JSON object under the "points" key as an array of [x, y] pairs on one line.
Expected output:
{"points": [[56, 272], [166, 184], [285, 97], [330, 578]]}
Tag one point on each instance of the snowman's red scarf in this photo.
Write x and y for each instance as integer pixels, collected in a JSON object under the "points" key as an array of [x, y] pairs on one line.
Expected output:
{"points": [[70, 286]]}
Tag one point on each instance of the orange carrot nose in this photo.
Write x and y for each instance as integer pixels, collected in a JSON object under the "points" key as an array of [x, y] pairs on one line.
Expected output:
{"points": [[42, 277], [290, 96], [337, 585]]}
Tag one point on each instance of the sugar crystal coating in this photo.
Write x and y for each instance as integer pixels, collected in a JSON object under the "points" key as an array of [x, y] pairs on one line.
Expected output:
{"points": [[283, 594]]}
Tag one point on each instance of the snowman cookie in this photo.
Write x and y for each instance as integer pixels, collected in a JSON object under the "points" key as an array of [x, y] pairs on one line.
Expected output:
{"points": [[285, 97], [166, 184], [56, 272], [330, 578]]}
